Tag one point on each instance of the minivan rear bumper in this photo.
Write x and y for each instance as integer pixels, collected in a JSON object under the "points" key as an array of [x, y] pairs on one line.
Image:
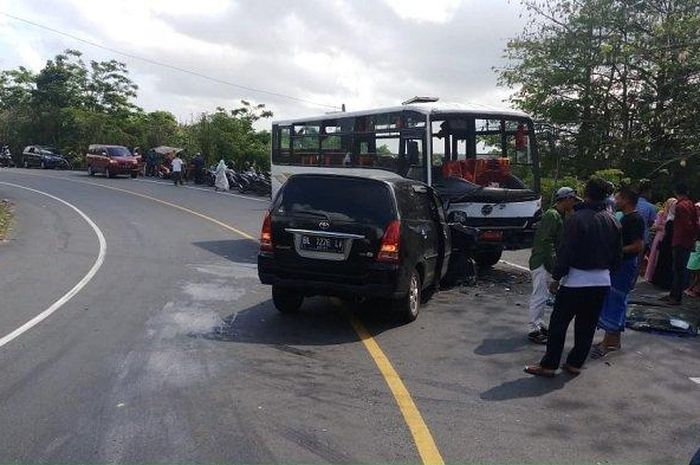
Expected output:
{"points": [[384, 281]]}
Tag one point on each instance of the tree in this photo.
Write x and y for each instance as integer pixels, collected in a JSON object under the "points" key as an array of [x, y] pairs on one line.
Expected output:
{"points": [[71, 104], [617, 81], [231, 135]]}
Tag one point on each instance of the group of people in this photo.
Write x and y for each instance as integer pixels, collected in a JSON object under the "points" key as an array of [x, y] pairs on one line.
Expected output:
{"points": [[588, 252]]}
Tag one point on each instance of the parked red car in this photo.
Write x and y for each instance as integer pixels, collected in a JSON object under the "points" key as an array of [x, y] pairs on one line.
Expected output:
{"points": [[111, 160]]}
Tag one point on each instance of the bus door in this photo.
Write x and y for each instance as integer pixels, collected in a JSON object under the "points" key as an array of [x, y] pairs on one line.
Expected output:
{"points": [[412, 161]]}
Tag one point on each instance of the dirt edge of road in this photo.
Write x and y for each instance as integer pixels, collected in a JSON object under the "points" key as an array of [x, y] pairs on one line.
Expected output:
{"points": [[5, 218]]}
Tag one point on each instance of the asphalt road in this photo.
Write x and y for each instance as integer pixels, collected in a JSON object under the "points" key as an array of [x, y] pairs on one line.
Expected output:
{"points": [[173, 352]]}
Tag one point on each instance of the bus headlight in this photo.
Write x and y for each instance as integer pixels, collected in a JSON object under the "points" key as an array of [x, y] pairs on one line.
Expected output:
{"points": [[458, 216]]}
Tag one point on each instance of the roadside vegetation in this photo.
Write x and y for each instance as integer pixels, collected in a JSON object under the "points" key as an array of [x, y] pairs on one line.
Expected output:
{"points": [[70, 104], [5, 218], [616, 85]]}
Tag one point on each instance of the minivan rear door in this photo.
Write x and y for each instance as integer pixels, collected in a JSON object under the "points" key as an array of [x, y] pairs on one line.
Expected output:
{"points": [[330, 224]]}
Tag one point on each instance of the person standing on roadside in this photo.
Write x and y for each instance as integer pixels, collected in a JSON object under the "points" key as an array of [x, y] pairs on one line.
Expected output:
{"points": [[622, 280], [543, 258], [176, 163], [221, 180], [646, 210], [591, 246], [685, 233]]}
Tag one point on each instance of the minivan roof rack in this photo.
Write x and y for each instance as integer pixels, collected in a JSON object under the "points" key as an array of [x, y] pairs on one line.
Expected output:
{"points": [[418, 99]]}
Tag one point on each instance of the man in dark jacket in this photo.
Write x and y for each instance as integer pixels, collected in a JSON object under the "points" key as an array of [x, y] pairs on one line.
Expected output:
{"points": [[591, 246]]}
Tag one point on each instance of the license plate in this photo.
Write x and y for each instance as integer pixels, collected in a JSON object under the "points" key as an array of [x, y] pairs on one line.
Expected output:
{"points": [[491, 235], [322, 244]]}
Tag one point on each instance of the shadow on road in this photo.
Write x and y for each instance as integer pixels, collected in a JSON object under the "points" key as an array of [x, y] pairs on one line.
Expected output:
{"points": [[522, 388], [321, 321], [237, 250], [505, 345]]}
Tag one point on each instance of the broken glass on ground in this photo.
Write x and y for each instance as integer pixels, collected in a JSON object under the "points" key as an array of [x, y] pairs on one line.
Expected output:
{"points": [[646, 312]]}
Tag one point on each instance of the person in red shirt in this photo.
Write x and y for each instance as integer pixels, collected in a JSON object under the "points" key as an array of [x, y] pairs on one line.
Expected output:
{"points": [[685, 233]]}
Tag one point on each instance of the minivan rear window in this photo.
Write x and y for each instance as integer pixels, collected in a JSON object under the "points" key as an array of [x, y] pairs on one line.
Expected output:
{"points": [[341, 199]]}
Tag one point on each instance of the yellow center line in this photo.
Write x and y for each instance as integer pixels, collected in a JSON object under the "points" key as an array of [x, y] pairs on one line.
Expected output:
{"points": [[423, 439]]}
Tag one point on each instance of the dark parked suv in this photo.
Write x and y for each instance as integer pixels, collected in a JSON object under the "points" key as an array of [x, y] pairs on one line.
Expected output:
{"points": [[43, 156], [346, 236]]}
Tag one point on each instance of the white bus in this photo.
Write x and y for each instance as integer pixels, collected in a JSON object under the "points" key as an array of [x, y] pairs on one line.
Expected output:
{"points": [[484, 160]]}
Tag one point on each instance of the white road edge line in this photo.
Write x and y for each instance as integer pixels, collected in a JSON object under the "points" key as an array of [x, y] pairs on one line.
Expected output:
{"points": [[516, 266], [206, 190], [77, 288]]}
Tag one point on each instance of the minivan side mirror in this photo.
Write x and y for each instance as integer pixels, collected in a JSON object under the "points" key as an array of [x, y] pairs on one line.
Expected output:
{"points": [[446, 204], [104, 153]]}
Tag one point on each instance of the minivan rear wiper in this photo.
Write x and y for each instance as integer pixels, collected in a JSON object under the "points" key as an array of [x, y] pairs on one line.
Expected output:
{"points": [[310, 213]]}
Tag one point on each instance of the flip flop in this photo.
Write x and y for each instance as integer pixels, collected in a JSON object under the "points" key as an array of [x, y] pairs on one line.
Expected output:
{"points": [[599, 350]]}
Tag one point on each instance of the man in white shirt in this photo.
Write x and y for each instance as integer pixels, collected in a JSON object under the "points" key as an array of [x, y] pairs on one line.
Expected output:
{"points": [[176, 164]]}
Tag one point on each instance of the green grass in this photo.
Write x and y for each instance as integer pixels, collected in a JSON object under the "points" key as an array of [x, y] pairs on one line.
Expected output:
{"points": [[5, 218]]}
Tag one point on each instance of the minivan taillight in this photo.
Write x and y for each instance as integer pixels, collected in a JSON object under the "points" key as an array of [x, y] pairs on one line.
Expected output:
{"points": [[389, 250], [266, 234]]}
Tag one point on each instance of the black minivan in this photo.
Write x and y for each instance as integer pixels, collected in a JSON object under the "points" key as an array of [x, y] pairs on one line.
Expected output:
{"points": [[354, 237]]}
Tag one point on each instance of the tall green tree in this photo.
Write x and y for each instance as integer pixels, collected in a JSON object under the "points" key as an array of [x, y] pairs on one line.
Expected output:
{"points": [[70, 104], [617, 81]]}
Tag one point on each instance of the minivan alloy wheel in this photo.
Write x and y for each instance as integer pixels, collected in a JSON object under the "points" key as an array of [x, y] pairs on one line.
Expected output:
{"points": [[409, 305], [414, 294]]}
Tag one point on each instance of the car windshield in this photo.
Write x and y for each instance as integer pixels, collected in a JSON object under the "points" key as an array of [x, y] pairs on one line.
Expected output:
{"points": [[341, 199], [118, 152], [50, 151]]}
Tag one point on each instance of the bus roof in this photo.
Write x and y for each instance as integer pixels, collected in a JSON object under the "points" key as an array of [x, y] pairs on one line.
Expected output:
{"points": [[427, 108]]}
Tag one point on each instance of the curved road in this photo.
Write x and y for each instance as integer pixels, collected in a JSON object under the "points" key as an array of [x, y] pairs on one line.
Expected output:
{"points": [[174, 352]]}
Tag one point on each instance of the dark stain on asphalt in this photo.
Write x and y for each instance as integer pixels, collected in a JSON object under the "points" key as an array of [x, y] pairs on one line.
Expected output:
{"points": [[236, 250]]}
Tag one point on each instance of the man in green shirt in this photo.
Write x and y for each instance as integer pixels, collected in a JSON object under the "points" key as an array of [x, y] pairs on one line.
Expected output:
{"points": [[543, 258]]}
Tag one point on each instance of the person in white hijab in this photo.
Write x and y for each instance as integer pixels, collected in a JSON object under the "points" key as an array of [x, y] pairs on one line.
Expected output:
{"points": [[221, 181]]}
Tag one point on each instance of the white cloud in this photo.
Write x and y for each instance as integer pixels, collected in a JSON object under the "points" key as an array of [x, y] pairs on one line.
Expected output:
{"points": [[435, 11], [364, 53]]}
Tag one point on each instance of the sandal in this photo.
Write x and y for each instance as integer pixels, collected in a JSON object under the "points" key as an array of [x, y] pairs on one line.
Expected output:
{"points": [[538, 370], [600, 350]]}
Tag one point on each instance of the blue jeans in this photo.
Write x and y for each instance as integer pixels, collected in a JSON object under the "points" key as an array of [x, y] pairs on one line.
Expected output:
{"points": [[612, 318]]}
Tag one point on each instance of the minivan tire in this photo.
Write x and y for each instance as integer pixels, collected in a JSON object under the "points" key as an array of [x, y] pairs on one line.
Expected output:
{"points": [[134, 175], [286, 300], [90, 171], [108, 174], [409, 306]]}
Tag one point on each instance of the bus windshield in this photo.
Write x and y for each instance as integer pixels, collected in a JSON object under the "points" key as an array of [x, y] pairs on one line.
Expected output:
{"points": [[488, 151]]}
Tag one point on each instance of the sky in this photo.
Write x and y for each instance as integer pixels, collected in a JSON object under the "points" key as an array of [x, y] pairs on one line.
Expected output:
{"points": [[361, 53]]}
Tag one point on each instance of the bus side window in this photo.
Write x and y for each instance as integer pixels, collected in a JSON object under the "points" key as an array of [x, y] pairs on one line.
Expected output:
{"points": [[387, 155], [283, 144]]}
